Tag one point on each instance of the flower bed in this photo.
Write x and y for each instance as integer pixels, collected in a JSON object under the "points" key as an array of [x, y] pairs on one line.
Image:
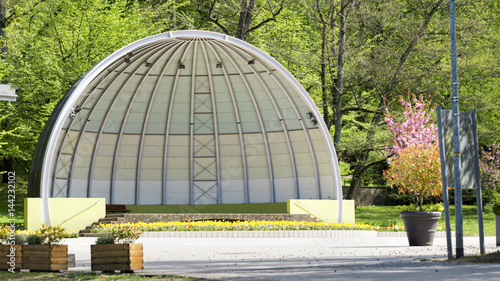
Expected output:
{"points": [[236, 226]]}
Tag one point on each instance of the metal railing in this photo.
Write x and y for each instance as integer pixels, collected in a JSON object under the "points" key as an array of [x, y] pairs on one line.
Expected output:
{"points": [[79, 213]]}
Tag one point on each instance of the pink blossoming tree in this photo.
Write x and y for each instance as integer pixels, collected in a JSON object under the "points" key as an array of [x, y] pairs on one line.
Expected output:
{"points": [[489, 164], [414, 147], [414, 128]]}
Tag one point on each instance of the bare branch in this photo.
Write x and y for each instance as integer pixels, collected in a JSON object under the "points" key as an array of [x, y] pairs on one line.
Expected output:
{"points": [[273, 18], [362, 110], [212, 8]]}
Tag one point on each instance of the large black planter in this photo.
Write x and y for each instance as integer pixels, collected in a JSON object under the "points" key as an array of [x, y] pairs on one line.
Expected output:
{"points": [[420, 227]]}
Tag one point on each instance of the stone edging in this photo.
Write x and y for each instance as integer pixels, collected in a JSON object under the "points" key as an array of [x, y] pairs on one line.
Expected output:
{"points": [[280, 234]]}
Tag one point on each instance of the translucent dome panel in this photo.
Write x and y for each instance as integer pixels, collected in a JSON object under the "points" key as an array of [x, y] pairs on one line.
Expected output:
{"points": [[188, 118]]}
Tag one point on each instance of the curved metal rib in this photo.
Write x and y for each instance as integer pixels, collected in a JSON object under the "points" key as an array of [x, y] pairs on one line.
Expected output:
{"points": [[96, 146], [280, 116], [124, 123], [81, 132], [169, 118], [191, 129], [238, 121], [259, 117], [150, 105], [304, 128]]}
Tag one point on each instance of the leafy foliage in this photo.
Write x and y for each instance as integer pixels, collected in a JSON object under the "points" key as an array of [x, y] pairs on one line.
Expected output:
{"points": [[125, 233], [414, 128], [425, 208], [489, 164], [105, 239], [51, 234], [390, 46], [416, 169], [490, 167], [50, 45], [416, 166], [34, 239]]}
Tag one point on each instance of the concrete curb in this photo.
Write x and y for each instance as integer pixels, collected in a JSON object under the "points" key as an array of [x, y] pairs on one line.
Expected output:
{"points": [[264, 234], [438, 234], [281, 234]]}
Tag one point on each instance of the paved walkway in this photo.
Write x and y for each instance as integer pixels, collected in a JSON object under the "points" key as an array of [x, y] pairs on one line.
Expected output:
{"points": [[365, 258]]}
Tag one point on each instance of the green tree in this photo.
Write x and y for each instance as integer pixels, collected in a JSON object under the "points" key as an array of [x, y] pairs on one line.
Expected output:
{"points": [[50, 45], [239, 18], [479, 71], [400, 45]]}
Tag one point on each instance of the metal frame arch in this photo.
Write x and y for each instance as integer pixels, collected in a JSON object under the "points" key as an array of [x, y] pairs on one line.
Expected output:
{"points": [[191, 126], [302, 93], [216, 125], [169, 118], [64, 110]]}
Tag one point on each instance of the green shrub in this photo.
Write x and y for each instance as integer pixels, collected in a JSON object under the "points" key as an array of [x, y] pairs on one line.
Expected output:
{"points": [[425, 208], [105, 239], [34, 239], [125, 233], [19, 239], [496, 208]]}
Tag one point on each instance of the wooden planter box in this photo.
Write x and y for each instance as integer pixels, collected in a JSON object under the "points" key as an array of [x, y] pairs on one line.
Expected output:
{"points": [[9, 258], [45, 257], [110, 257]]}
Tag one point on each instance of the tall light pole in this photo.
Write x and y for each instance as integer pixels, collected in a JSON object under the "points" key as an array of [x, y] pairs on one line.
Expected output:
{"points": [[456, 135]]}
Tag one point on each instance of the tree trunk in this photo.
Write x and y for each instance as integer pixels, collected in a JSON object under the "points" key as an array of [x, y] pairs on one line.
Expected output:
{"points": [[324, 86], [355, 182], [7, 166], [361, 165], [3, 25], [245, 21], [340, 75]]}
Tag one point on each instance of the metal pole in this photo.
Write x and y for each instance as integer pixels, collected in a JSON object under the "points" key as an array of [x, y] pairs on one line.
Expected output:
{"points": [[456, 135], [479, 198], [445, 183]]}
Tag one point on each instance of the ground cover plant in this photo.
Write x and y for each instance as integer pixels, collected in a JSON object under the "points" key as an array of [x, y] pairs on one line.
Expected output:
{"points": [[235, 226], [53, 276]]}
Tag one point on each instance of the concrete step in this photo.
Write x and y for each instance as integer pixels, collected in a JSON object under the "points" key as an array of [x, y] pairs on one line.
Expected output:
{"points": [[109, 218], [114, 215]]}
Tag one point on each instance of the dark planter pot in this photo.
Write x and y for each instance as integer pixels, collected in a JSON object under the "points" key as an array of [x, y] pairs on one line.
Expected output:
{"points": [[420, 227]]}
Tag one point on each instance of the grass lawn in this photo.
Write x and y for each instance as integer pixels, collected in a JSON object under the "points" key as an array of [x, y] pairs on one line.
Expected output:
{"points": [[386, 215]]}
